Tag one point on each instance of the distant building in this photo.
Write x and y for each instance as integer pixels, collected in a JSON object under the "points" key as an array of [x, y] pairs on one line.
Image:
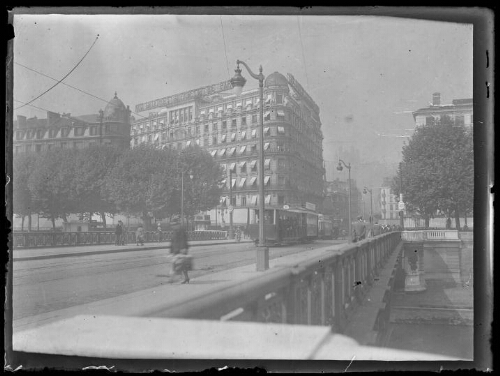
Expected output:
{"points": [[109, 127], [388, 201], [460, 111], [226, 125]]}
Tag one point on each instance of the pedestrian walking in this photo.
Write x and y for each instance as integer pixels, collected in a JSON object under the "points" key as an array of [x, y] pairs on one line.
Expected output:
{"points": [[118, 233], [181, 261], [139, 235], [124, 233], [159, 231]]}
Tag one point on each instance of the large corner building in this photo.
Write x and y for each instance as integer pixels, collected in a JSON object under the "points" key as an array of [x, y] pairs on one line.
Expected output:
{"points": [[227, 126]]}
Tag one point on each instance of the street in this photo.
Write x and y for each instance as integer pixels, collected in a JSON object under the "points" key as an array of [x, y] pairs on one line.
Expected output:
{"points": [[41, 286]]}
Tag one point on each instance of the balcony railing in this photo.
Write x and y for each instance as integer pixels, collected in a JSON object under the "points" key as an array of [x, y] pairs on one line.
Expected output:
{"points": [[59, 239], [429, 235]]}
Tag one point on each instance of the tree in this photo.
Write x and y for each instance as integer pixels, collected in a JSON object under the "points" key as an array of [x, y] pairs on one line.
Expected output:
{"points": [[203, 190], [143, 182], [50, 183], [93, 165], [438, 170], [23, 203]]}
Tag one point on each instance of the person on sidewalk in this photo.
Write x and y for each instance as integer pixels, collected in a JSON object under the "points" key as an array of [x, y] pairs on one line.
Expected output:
{"points": [[139, 235], [159, 231], [181, 262], [118, 234], [124, 233]]}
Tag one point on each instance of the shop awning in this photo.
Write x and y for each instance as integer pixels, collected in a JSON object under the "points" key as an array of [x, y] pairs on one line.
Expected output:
{"points": [[266, 179], [254, 132], [243, 135], [267, 163], [233, 182], [242, 164], [266, 146], [268, 199], [266, 130], [254, 200], [231, 151], [281, 113], [232, 166], [233, 136], [281, 129], [252, 180], [223, 138], [213, 152], [242, 182], [157, 136], [239, 104], [222, 152], [253, 163], [188, 143], [243, 148]]}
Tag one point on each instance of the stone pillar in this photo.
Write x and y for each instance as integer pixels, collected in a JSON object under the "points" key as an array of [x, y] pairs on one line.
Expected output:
{"points": [[413, 267], [262, 258]]}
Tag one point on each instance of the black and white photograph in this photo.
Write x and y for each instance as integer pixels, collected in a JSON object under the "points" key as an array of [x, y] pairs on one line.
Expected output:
{"points": [[281, 184]]}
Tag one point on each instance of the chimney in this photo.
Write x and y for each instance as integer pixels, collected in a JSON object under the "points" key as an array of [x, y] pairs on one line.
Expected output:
{"points": [[21, 121], [52, 118], [436, 99]]}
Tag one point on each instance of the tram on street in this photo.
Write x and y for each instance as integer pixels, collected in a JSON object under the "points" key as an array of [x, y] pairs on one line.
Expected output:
{"points": [[287, 226]]}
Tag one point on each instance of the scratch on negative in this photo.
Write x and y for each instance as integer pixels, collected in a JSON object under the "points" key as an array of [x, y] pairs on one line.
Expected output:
{"points": [[350, 363]]}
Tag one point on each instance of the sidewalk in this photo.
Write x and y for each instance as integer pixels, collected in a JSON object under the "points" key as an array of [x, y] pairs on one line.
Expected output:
{"points": [[150, 300], [28, 254]]}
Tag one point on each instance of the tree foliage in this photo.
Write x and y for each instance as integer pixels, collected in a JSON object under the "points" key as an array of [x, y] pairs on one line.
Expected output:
{"points": [[50, 183], [438, 170], [23, 203], [144, 181]]}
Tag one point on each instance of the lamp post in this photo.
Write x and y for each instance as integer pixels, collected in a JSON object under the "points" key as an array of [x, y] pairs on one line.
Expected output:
{"points": [[182, 195], [340, 168], [231, 232], [401, 212], [238, 81]]}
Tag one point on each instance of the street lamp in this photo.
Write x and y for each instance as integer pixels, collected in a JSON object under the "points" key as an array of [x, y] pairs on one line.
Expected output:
{"points": [[340, 168], [238, 81], [182, 195], [231, 232]]}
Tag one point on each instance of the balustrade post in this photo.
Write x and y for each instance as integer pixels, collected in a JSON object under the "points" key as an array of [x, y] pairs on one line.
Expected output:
{"points": [[337, 295]]}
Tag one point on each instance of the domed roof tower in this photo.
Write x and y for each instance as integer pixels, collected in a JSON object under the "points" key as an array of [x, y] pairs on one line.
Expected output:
{"points": [[116, 110], [275, 79]]}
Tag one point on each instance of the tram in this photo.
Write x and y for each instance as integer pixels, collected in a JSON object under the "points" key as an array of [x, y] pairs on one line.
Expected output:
{"points": [[286, 226], [326, 229]]}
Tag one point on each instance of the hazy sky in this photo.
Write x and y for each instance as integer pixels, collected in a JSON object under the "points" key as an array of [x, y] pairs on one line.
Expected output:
{"points": [[362, 71]]}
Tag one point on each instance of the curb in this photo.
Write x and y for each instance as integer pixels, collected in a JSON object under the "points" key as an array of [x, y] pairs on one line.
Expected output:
{"points": [[115, 250]]}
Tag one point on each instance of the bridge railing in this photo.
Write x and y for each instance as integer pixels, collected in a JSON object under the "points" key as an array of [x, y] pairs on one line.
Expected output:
{"points": [[429, 235], [320, 291], [59, 239]]}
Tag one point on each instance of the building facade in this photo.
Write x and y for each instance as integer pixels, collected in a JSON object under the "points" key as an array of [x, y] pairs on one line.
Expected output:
{"points": [[227, 126], [109, 127], [460, 111]]}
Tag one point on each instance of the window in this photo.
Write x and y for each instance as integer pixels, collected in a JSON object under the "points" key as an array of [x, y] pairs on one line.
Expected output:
{"points": [[19, 135], [233, 123], [281, 200], [224, 125], [214, 140], [254, 119], [214, 127], [459, 120], [253, 166], [243, 121], [280, 145], [243, 200], [280, 115], [279, 98], [281, 163], [223, 139], [233, 200], [205, 128], [39, 133], [93, 131], [64, 132], [190, 111], [281, 181], [38, 148], [243, 167], [267, 164]]}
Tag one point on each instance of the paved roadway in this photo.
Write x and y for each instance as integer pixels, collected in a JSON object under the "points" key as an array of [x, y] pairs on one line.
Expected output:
{"points": [[42, 285]]}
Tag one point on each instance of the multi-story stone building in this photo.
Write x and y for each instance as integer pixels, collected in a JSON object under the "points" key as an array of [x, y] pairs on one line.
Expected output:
{"points": [[227, 126], [460, 111], [109, 127]]}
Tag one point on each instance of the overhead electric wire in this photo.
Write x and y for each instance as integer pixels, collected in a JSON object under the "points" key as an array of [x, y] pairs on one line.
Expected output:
{"points": [[303, 55], [73, 87], [58, 82], [225, 52]]}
